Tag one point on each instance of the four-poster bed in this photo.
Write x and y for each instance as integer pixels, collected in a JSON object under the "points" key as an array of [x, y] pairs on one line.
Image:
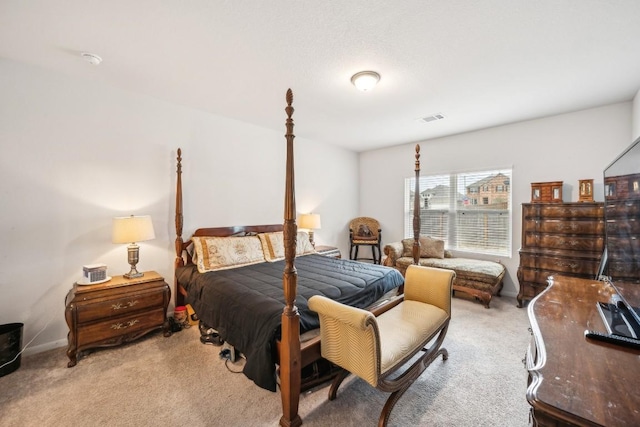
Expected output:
{"points": [[283, 316]]}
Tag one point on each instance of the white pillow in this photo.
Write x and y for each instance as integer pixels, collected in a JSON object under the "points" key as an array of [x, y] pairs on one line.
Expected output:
{"points": [[273, 245]]}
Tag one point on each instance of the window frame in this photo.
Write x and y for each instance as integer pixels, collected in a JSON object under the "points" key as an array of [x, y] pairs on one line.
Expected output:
{"points": [[447, 219]]}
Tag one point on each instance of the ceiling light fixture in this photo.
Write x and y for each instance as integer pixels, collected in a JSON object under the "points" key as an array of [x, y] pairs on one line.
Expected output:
{"points": [[91, 58], [365, 80]]}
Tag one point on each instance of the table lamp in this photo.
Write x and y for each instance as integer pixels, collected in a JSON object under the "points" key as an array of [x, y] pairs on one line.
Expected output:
{"points": [[310, 222], [132, 229]]}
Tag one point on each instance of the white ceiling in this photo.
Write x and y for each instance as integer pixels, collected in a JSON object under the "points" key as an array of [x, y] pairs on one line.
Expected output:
{"points": [[480, 63]]}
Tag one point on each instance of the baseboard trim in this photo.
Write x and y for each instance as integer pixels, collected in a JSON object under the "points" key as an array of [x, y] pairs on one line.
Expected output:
{"points": [[44, 347]]}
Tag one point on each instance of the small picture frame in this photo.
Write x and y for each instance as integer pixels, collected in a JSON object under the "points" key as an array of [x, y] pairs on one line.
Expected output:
{"points": [[585, 190], [535, 194]]}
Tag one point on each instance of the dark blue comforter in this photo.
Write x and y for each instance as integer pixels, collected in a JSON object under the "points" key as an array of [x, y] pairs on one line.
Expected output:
{"points": [[245, 304]]}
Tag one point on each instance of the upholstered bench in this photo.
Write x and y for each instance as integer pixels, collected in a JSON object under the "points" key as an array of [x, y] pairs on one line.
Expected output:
{"points": [[375, 348], [480, 278]]}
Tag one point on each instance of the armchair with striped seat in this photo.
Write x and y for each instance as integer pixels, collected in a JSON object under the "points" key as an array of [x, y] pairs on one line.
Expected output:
{"points": [[375, 348]]}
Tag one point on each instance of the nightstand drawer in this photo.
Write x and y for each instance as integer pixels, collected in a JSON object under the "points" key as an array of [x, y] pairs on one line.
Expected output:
{"points": [[120, 306], [125, 325], [118, 311]]}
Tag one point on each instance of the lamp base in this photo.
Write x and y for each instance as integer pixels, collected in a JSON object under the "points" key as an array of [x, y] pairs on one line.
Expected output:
{"points": [[133, 257], [133, 274]]}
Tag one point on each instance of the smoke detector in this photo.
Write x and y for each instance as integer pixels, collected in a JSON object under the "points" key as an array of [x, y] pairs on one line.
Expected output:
{"points": [[91, 58]]}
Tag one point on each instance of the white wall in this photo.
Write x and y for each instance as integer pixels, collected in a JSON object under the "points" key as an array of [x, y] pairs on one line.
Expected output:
{"points": [[76, 153], [567, 148], [636, 116]]}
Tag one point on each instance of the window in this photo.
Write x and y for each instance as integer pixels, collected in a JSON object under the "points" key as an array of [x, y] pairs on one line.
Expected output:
{"points": [[451, 210]]}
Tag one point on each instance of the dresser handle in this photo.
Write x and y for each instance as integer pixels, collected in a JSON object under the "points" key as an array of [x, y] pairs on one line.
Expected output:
{"points": [[120, 305], [124, 325], [570, 227], [571, 265], [569, 242]]}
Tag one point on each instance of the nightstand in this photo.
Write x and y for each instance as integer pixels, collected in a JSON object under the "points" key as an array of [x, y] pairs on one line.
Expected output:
{"points": [[329, 251], [115, 312]]}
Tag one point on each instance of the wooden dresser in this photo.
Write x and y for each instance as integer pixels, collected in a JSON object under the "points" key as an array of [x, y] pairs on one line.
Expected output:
{"points": [[559, 238], [114, 312], [574, 381], [622, 194]]}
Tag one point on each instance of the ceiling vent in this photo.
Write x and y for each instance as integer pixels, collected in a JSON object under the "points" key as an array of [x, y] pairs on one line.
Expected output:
{"points": [[431, 118]]}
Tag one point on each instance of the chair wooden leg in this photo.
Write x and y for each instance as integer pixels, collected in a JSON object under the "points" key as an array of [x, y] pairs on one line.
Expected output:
{"points": [[333, 390], [390, 403]]}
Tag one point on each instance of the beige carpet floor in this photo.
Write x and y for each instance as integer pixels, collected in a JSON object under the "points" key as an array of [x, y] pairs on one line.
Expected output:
{"points": [[178, 381]]}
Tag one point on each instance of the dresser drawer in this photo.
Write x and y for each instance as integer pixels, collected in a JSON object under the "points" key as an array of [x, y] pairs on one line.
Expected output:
{"points": [[565, 226], [624, 270], [563, 210], [110, 329], [122, 305], [561, 265], [534, 275], [623, 209], [623, 226], [574, 243]]}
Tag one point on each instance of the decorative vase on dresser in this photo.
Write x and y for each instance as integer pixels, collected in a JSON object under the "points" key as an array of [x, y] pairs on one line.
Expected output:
{"points": [[559, 238]]}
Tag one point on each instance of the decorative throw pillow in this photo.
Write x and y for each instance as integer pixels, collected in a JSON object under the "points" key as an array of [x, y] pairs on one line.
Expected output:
{"points": [[221, 253], [429, 247], [273, 245]]}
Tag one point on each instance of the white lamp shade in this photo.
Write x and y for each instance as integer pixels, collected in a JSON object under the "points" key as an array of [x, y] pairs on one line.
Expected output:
{"points": [[131, 229], [310, 221]]}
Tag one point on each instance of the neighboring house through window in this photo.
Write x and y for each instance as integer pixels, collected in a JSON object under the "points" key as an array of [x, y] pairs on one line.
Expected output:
{"points": [[470, 211]]}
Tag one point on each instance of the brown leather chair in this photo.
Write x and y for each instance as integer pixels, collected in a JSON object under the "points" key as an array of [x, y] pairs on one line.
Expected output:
{"points": [[365, 231]]}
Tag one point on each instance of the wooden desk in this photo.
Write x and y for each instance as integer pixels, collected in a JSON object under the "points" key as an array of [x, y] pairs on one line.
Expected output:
{"points": [[574, 381]]}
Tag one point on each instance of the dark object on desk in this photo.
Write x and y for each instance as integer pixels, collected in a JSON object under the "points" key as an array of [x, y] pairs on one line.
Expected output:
{"points": [[618, 319], [613, 339]]}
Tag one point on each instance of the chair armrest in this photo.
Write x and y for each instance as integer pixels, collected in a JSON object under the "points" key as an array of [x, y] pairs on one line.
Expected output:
{"points": [[349, 337], [393, 251], [429, 285]]}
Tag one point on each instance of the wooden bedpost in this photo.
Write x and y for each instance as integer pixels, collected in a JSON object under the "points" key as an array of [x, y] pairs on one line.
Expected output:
{"points": [[416, 211], [290, 369], [179, 262]]}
